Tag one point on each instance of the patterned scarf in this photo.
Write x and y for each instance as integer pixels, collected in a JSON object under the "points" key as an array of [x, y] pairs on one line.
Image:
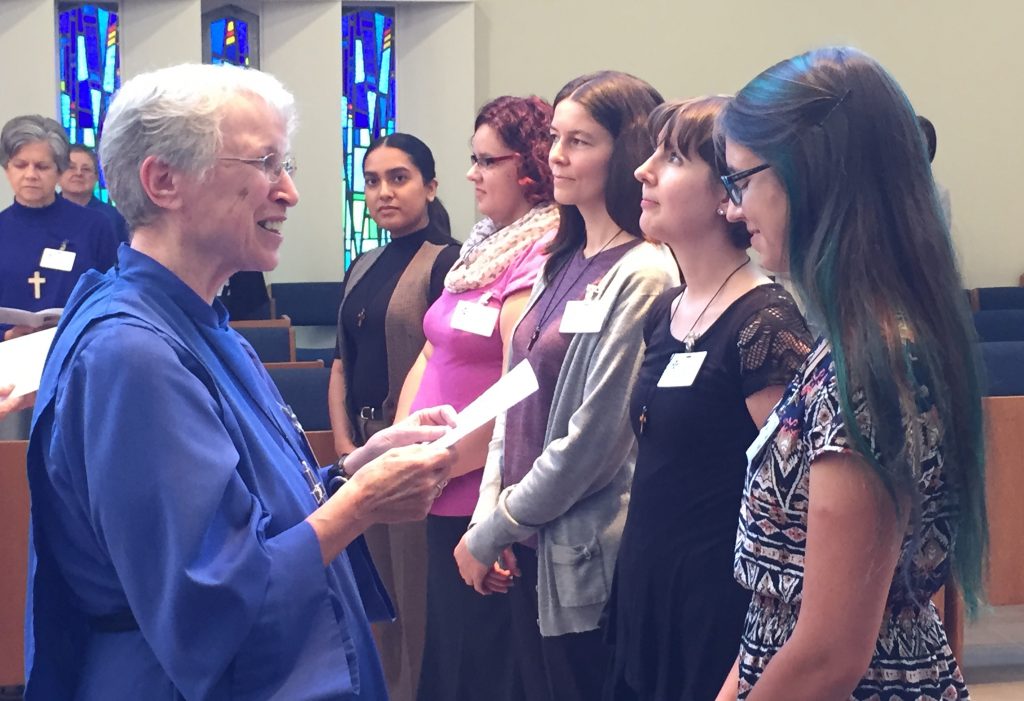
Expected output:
{"points": [[488, 251]]}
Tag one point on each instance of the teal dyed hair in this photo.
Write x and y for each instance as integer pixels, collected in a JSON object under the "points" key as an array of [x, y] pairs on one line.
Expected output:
{"points": [[870, 252]]}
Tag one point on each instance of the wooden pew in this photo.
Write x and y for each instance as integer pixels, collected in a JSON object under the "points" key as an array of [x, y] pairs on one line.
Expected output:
{"points": [[14, 556]]}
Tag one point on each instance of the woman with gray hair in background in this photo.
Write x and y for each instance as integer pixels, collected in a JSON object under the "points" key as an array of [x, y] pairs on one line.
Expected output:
{"points": [[47, 242], [184, 542]]}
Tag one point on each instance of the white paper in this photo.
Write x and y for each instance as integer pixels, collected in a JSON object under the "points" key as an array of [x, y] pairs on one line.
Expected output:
{"points": [[584, 316], [22, 359], [20, 317], [682, 369], [518, 384]]}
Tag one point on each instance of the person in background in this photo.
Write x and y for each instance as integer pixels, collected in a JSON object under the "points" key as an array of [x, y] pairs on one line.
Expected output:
{"points": [[555, 488], [385, 295], [78, 184], [184, 542], [720, 351], [932, 142], [866, 486], [47, 242], [468, 329]]}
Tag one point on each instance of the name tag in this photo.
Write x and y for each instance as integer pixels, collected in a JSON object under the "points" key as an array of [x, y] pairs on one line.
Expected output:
{"points": [[475, 318], [584, 316], [682, 369], [56, 259], [767, 433]]}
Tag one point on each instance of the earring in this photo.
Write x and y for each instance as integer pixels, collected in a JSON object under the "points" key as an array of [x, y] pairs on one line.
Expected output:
{"points": [[719, 212]]}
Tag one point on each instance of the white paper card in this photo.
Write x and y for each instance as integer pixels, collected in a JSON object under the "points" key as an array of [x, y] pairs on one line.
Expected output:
{"points": [[475, 318], [766, 434], [682, 369], [56, 259], [518, 384], [22, 359], [20, 317], [584, 316]]}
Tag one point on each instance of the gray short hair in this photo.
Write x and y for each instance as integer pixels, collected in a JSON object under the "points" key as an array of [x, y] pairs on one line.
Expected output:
{"points": [[174, 114], [32, 128]]}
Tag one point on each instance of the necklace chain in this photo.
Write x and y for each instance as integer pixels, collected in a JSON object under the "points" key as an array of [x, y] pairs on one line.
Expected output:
{"points": [[691, 338], [556, 298]]}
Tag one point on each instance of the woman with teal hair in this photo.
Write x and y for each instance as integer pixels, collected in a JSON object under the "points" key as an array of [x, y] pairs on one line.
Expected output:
{"points": [[866, 485]]}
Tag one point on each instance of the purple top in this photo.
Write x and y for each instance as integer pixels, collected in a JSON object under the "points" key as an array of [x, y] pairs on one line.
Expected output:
{"points": [[526, 423], [465, 364]]}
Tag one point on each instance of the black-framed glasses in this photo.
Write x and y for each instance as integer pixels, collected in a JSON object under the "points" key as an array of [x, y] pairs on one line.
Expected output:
{"points": [[486, 162], [272, 164], [732, 180]]}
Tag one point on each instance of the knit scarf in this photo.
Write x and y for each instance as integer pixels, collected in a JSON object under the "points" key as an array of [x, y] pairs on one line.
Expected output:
{"points": [[489, 251]]}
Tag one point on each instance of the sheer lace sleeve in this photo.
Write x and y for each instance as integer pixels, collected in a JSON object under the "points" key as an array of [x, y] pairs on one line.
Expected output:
{"points": [[773, 343]]}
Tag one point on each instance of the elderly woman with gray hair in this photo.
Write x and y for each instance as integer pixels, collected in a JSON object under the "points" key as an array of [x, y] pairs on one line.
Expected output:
{"points": [[185, 543], [47, 242]]}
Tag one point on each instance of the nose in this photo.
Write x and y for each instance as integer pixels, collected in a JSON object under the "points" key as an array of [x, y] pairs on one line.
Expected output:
{"points": [[473, 174], [643, 173], [733, 211], [284, 190], [556, 155]]}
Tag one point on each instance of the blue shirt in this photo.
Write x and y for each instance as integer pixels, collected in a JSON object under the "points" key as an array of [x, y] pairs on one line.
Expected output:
{"points": [[26, 231], [168, 485], [117, 220]]}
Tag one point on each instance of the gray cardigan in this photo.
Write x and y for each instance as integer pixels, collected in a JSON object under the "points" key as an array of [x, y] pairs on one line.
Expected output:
{"points": [[574, 498]]}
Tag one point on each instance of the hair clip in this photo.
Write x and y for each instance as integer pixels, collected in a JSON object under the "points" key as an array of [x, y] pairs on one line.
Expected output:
{"points": [[839, 101]]}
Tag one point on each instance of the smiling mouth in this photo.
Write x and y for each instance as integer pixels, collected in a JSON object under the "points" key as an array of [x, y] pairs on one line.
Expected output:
{"points": [[272, 226]]}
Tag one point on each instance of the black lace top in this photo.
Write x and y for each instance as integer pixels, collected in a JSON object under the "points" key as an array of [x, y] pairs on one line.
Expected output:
{"points": [[676, 612]]}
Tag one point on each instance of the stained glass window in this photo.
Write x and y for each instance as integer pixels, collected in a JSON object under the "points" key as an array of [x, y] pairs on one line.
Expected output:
{"points": [[368, 112], [231, 35], [89, 71]]}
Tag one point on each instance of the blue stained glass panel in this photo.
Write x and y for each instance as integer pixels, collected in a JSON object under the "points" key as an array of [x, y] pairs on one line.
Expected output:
{"points": [[229, 41], [89, 73], [368, 111]]}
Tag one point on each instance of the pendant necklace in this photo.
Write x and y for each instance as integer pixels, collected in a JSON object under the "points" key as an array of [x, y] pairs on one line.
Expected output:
{"points": [[557, 298], [689, 340]]}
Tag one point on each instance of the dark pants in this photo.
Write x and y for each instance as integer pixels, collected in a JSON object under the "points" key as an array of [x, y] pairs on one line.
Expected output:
{"points": [[569, 667], [467, 655]]}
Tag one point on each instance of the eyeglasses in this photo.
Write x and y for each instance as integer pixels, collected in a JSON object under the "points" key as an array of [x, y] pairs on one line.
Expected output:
{"points": [[272, 165], [487, 162], [730, 182]]}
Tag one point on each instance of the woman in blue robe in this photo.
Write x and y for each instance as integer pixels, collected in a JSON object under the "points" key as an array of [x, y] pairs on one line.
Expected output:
{"points": [[184, 545]]}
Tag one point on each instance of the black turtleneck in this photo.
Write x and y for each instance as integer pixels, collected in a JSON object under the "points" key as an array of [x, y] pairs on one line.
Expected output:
{"points": [[365, 307]]}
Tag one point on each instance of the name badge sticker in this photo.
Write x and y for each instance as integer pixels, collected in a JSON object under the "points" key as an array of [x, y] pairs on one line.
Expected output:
{"points": [[57, 259], [584, 316], [682, 369], [475, 318], [768, 431]]}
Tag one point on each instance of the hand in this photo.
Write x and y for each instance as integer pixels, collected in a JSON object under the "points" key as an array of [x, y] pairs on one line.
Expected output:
{"points": [[18, 331], [424, 426], [473, 572], [402, 484], [499, 580], [9, 404]]}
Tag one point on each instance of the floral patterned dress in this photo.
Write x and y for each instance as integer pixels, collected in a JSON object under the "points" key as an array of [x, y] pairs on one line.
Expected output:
{"points": [[912, 659]]}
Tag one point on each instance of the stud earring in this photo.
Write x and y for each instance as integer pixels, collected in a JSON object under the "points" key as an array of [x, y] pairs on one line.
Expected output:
{"points": [[719, 212]]}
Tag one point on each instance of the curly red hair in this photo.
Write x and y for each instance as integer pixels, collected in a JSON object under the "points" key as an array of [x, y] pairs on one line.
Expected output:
{"points": [[524, 124]]}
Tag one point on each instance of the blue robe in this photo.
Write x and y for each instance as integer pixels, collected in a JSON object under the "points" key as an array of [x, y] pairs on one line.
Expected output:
{"points": [[116, 219], [26, 231], [167, 485]]}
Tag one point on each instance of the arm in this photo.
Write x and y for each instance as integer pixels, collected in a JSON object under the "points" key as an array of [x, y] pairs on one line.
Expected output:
{"points": [[338, 410], [732, 683], [853, 545], [191, 541], [761, 403], [599, 438], [412, 382]]}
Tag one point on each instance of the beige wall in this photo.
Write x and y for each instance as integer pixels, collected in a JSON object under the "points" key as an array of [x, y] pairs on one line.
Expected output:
{"points": [[960, 63]]}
